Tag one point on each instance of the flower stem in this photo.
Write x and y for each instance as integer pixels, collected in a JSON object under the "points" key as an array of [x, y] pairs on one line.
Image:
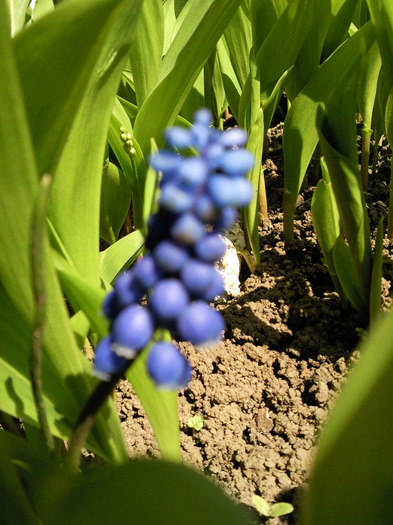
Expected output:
{"points": [[85, 421], [37, 249]]}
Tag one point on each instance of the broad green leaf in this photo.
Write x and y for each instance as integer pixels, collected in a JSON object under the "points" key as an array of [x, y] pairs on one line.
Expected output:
{"points": [[195, 98], [382, 18], [200, 30], [146, 52], [238, 38], [341, 17], [115, 202], [17, 12], [120, 255], [300, 130], [75, 201], [145, 492], [250, 214], [278, 53], [41, 8], [371, 67], [361, 15], [53, 81], [231, 84], [346, 272], [82, 294], [347, 187], [326, 222], [353, 468], [66, 378], [308, 59], [160, 406], [214, 94], [174, 13], [264, 14]]}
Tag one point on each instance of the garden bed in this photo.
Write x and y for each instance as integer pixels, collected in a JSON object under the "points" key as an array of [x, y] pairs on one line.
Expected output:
{"points": [[266, 389]]}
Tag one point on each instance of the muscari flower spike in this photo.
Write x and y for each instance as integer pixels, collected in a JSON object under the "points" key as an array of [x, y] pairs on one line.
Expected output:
{"points": [[199, 197]]}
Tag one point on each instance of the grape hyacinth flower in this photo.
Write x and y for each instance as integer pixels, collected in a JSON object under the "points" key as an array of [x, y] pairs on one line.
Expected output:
{"points": [[199, 197]]}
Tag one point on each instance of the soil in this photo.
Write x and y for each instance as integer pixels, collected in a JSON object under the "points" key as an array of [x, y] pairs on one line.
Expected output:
{"points": [[266, 390]]}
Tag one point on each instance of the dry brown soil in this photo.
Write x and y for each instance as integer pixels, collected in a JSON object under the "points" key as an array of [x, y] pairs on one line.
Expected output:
{"points": [[265, 391]]}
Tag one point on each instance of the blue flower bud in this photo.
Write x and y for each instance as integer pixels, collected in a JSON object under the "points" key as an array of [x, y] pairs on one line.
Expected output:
{"points": [[187, 229], [111, 306], [167, 367], [178, 137], [215, 289], [168, 298], [203, 116], [221, 191], [200, 324], [205, 209], [226, 218], [175, 199], [106, 362], [127, 289], [169, 256], [197, 276], [237, 162], [210, 248], [243, 190], [168, 162], [234, 137], [147, 272], [132, 330], [193, 172]]}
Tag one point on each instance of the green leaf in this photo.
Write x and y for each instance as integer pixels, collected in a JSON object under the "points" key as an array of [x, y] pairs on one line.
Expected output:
{"points": [[371, 67], [77, 186], [176, 495], [308, 59], [231, 84], [348, 192], [300, 129], [160, 406], [17, 11], [250, 214], [278, 53], [326, 221], [146, 52], [354, 462], [238, 39], [120, 255], [341, 16], [82, 294], [345, 270], [382, 19], [281, 509], [201, 29], [66, 373], [261, 505], [115, 202]]}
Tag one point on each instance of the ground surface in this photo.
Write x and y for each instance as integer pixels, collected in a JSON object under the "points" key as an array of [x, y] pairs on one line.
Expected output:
{"points": [[265, 391]]}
